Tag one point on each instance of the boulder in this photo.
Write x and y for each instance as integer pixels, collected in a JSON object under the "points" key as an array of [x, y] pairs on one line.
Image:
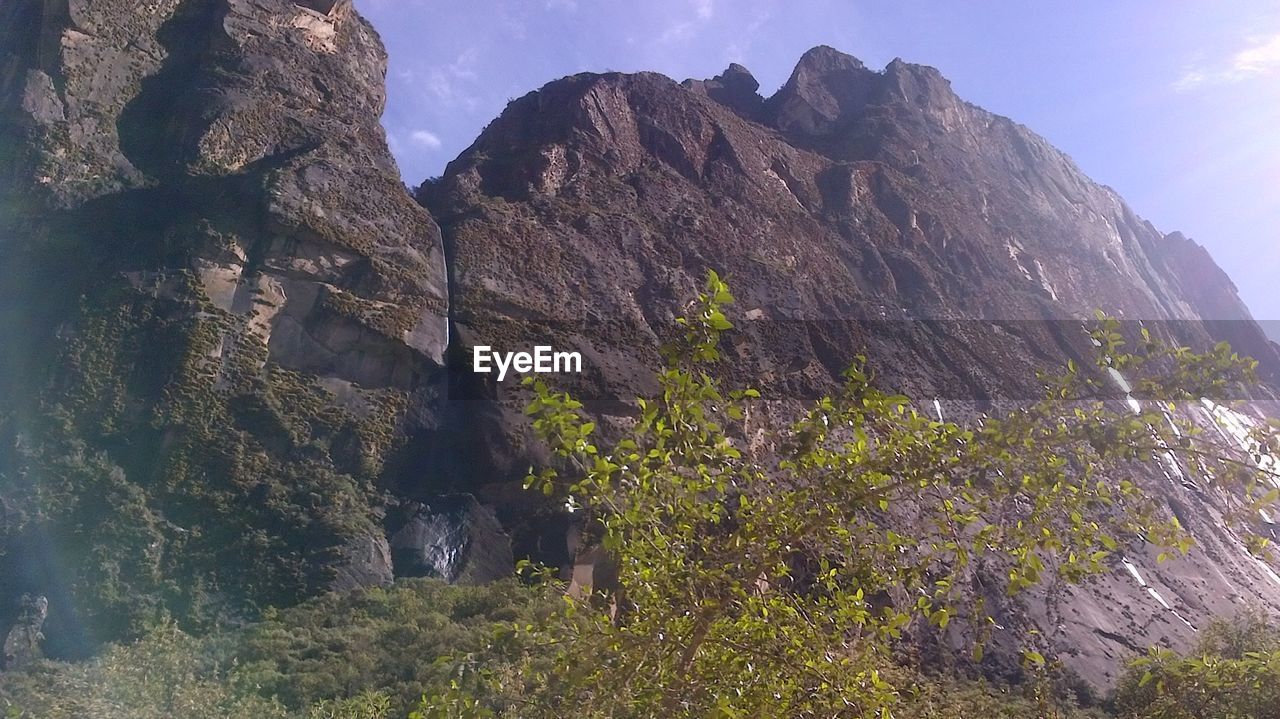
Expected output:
{"points": [[735, 88], [454, 538], [366, 562]]}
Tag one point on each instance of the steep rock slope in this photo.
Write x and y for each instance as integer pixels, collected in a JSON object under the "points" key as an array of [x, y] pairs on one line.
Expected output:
{"points": [[221, 307], [853, 211], [227, 324]]}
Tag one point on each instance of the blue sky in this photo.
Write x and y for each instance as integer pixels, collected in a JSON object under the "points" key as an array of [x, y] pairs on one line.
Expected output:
{"points": [[1174, 103]]}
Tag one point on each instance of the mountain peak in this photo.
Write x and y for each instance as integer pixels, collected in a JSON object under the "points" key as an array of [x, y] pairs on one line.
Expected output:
{"points": [[825, 86], [736, 74], [735, 88], [825, 58]]}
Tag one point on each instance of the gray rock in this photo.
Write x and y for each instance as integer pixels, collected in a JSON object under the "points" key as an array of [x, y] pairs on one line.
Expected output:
{"points": [[454, 538], [219, 164], [366, 562], [735, 88]]}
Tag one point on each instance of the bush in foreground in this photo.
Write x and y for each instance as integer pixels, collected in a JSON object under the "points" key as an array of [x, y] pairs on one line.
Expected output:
{"points": [[750, 583], [1233, 673], [767, 573]]}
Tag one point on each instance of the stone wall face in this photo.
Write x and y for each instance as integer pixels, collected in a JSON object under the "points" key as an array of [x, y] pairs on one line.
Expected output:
{"points": [[231, 303]]}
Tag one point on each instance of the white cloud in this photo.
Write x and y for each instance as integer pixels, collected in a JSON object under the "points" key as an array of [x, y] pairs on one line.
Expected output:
{"points": [[1190, 80], [704, 9], [448, 82], [737, 50], [425, 138], [676, 32], [1260, 58]]}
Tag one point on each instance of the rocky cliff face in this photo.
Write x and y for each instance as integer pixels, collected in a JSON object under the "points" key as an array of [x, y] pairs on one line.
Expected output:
{"points": [[220, 295], [236, 346], [853, 211]]}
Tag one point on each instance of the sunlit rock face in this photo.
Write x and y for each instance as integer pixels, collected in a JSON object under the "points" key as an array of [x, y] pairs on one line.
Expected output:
{"points": [[212, 274], [858, 195], [235, 145], [854, 211], [226, 331]]}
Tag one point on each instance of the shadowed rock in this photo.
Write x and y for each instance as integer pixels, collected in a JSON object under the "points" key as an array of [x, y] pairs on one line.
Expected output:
{"points": [[735, 88], [22, 643], [453, 538]]}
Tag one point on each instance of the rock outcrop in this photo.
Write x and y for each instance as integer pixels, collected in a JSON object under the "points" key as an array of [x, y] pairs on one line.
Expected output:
{"points": [[453, 538], [231, 304], [365, 562], [22, 643]]}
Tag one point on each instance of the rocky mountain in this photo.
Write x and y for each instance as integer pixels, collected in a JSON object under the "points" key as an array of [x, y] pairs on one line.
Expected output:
{"points": [[852, 211], [237, 373]]}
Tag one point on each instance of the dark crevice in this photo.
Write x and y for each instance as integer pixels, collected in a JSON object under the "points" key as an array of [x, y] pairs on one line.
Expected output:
{"points": [[21, 40], [1119, 639], [470, 448], [451, 456]]}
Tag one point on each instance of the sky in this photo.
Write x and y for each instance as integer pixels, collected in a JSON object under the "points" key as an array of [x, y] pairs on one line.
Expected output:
{"points": [[1174, 103]]}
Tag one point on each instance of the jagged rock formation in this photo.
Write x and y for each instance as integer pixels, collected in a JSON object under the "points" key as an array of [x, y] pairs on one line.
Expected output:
{"points": [[852, 211], [881, 194], [227, 378], [231, 304]]}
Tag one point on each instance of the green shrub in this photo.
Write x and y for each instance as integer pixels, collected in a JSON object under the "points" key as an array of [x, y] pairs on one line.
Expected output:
{"points": [[165, 675], [1233, 673], [954, 699], [366, 655], [404, 640], [779, 582]]}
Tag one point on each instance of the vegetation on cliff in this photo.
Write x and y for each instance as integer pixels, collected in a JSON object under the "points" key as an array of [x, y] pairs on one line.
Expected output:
{"points": [[174, 475], [204, 373], [795, 584], [781, 582]]}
